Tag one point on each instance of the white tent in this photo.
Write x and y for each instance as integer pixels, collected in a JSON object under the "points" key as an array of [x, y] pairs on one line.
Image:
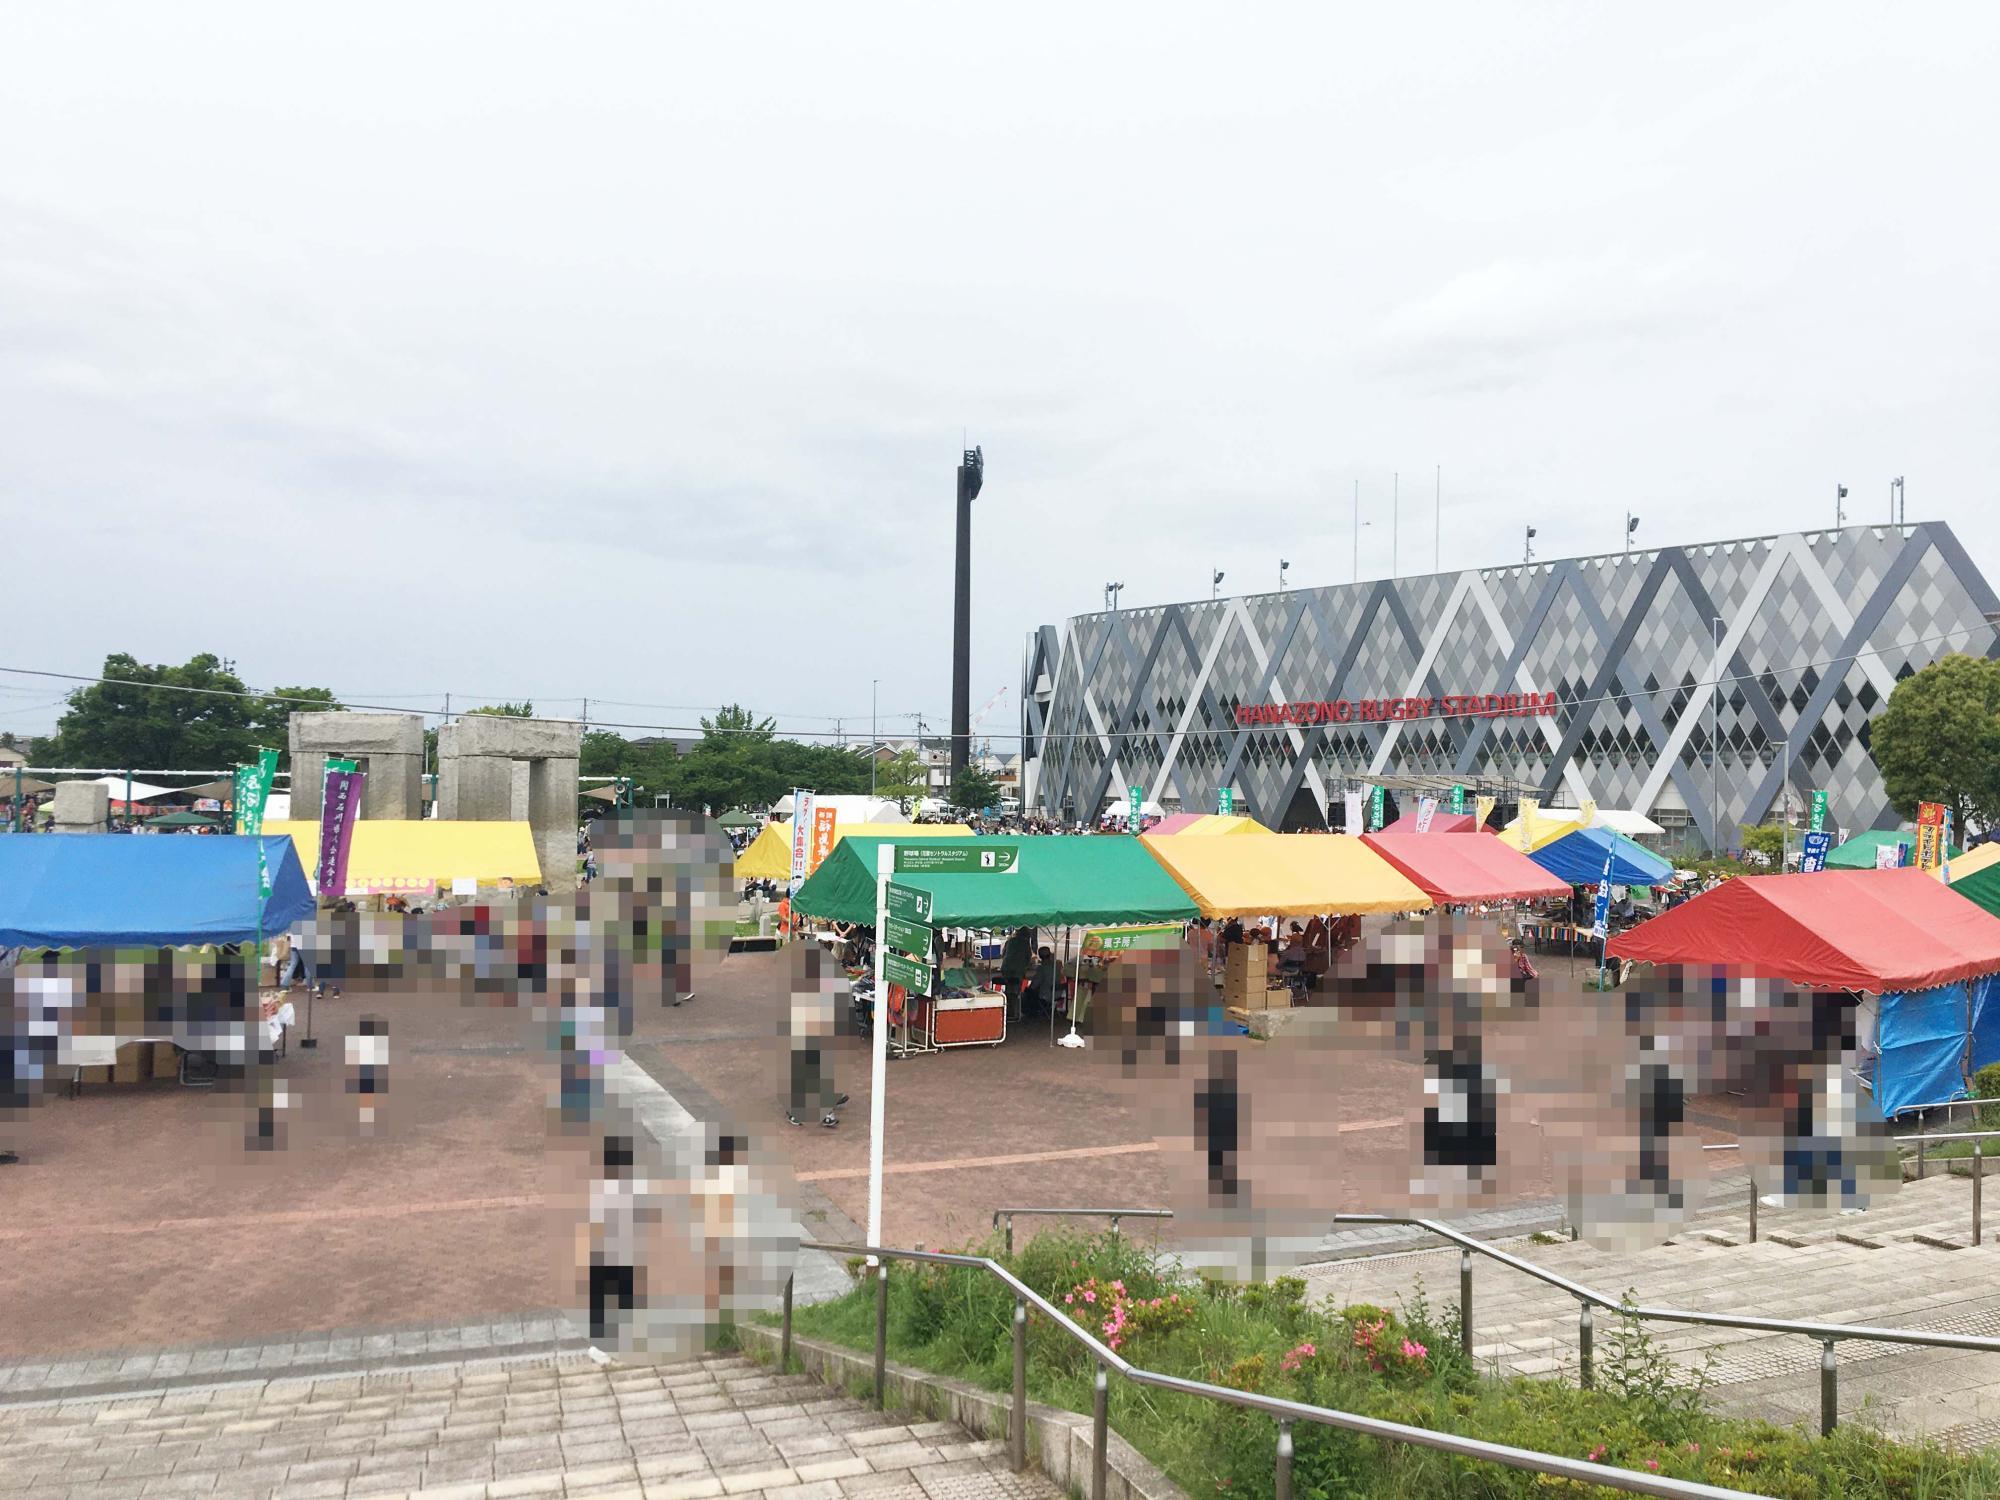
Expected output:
{"points": [[141, 791], [1123, 809], [849, 809], [1633, 825]]}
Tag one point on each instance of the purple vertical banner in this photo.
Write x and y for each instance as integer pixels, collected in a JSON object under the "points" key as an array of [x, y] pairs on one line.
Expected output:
{"points": [[338, 810]]}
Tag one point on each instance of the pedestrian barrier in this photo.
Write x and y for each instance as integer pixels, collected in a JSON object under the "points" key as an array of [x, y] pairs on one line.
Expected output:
{"points": [[1589, 1299], [1286, 1413]]}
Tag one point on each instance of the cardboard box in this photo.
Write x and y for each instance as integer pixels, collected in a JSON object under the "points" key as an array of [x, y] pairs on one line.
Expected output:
{"points": [[1243, 976], [131, 1064], [1278, 997], [96, 1076], [166, 1062]]}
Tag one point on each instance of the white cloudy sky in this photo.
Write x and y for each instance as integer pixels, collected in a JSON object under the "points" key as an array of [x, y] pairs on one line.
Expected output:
{"points": [[626, 350]]}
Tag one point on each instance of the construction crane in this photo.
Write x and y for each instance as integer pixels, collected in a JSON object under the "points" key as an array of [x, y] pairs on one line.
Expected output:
{"points": [[980, 717]]}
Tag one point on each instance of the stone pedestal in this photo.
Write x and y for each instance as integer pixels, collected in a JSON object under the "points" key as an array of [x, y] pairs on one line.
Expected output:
{"points": [[80, 807], [389, 747]]}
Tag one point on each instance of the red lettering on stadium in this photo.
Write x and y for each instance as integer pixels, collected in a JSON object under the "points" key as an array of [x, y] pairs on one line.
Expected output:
{"points": [[1385, 710]]}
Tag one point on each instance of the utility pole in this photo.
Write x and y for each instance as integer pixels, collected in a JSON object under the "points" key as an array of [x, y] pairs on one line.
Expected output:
{"points": [[874, 734], [971, 474], [1897, 512]]}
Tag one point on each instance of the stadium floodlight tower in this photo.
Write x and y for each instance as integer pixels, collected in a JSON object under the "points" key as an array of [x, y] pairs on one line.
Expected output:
{"points": [[971, 471]]}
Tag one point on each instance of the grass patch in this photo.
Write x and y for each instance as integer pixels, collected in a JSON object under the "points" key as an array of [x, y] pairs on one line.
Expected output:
{"points": [[1403, 1365]]}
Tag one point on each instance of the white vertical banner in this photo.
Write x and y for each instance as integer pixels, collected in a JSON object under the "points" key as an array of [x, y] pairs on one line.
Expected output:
{"points": [[1427, 809], [803, 807], [1354, 824]]}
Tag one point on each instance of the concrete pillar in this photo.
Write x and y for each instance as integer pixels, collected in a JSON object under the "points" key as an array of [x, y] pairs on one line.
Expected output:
{"points": [[390, 747], [482, 760], [81, 807]]}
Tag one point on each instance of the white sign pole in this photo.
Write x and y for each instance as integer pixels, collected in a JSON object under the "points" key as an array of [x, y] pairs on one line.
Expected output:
{"points": [[878, 1080]]}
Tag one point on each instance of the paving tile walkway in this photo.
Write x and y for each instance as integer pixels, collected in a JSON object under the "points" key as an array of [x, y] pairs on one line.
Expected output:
{"points": [[484, 1430]]}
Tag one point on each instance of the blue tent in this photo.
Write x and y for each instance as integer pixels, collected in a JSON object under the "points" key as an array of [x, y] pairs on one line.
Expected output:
{"points": [[1579, 858], [101, 890]]}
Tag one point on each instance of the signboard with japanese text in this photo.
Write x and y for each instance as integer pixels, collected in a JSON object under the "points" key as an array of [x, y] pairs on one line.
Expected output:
{"points": [[822, 836], [908, 902], [1816, 821], [1427, 808], [955, 859], [912, 976], [1813, 857], [803, 808]]}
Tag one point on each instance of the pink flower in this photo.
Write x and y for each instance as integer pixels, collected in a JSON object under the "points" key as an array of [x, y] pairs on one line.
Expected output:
{"points": [[1413, 1350], [1069, 1296], [1089, 1295], [1653, 1464], [1595, 1455]]}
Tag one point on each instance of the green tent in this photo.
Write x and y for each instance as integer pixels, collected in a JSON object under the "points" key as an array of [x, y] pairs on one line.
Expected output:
{"points": [[1858, 853], [741, 819], [182, 820], [1100, 880], [1982, 888]]}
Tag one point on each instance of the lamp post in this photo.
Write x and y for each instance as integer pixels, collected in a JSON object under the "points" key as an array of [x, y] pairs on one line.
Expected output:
{"points": [[1528, 548], [1896, 511], [1111, 597], [1215, 584], [1283, 566], [1839, 509]]}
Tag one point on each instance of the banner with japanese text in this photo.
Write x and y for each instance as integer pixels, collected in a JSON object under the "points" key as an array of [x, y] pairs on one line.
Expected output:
{"points": [[340, 809]]}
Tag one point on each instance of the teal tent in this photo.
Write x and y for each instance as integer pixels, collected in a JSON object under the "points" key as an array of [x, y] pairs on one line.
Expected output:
{"points": [[1858, 853], [1103, 880]]}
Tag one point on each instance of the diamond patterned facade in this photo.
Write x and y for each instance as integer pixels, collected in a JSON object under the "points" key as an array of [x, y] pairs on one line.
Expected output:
{"points": [[1816, 629]]}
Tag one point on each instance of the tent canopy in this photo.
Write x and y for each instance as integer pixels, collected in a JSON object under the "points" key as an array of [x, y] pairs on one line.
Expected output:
{"points": [[1459, 871], [1880, 931], [1963, 866], [1120, 808], [769, 855], [852, 809], [105, 891], [1207, 824], [1578, 857], [391, 854], [1981, 887], [141, 791], [738, 817], [1549, 821], [183, 820], [1441, 822], [1286, 875], [1094, 881], [1859, 852]]}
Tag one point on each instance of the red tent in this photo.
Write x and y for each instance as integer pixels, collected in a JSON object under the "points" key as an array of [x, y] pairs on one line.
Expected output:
{"points": [[1442, 822], [1461, 871], [1880, 931], [1175, 822]]}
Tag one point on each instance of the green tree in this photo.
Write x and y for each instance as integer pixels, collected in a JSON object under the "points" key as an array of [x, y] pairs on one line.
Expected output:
{"points": [[735, 721], [974, 789], [650, 767], [901, 775], [197, 716], [1938, 740], [1767, 839], [506, 710]]}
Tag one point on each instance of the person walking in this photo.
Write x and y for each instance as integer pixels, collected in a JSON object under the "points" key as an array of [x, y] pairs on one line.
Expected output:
{"points": [[1015, 961]]}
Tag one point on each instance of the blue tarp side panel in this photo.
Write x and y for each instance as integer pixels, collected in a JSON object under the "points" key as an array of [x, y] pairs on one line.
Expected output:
{"points": [[105, 890], [1579, 858], [1922, 1037], [1985, 1021]]}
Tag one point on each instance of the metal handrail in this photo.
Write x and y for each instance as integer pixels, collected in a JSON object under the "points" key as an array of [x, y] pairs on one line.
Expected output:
{"points": [[1113, 1214], [1588, 1298], [1287, 1413]]}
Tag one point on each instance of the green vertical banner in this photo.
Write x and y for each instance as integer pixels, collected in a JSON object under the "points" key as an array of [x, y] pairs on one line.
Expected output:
{"points": [[1458, 799], [1134, 799], [1377, 808], [1818, 823], [1225, 801]]}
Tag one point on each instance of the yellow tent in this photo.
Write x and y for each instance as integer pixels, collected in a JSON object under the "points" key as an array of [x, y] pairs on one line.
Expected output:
{"points": [[1285, 875], [1547, 831], [1973, 861], [1215, 823], [769, 855], [390, 855]]}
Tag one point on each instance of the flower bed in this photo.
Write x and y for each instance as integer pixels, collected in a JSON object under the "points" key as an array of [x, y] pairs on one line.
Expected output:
{"points": [[1404, 1365]]}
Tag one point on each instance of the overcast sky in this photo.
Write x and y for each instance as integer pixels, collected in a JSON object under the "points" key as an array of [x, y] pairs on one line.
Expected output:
{"points": [[626, 351]]}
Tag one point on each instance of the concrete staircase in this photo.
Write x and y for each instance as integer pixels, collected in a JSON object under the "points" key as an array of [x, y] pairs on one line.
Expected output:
{"points": [[1906, 1263], [720, 1426]]}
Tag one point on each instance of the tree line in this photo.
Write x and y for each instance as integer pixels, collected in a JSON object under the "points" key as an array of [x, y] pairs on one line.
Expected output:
{"points": [[201, 716]]}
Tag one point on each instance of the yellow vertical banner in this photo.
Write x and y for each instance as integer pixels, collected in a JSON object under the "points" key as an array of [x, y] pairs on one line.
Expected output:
{"points": [[1483, 809], [822, 836]]}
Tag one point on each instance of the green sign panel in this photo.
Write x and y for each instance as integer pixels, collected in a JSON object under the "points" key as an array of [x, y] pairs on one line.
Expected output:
{"points": [[945, 859], [1225, 801], [912, 976], [912, 938], [1458, 799], [1135, 798], [1376, 808], [1818, 824], [908, 902]]}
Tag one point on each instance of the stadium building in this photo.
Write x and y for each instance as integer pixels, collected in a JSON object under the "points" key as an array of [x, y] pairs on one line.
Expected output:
{"points": [[1690, 684]]}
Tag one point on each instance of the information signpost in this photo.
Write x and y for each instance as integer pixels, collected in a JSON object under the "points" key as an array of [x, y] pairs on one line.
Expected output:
{"points": [[905, 940]]}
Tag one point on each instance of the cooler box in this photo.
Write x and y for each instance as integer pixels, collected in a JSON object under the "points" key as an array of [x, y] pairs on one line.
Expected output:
{"points": [[971, 1020]]}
